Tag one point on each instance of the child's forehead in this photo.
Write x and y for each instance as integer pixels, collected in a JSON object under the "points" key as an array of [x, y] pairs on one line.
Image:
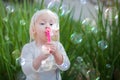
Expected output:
{"points": [[46, 16]]}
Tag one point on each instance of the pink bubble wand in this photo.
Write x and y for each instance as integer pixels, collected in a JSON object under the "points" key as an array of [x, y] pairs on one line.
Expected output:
{"points": [[47, 31]]}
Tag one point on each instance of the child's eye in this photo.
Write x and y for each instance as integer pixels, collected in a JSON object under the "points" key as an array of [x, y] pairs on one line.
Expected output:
{"points": [[51, 24], [42, 23]]}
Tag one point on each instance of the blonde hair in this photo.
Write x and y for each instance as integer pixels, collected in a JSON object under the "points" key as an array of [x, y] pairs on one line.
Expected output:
{"points": [[36, 16]]}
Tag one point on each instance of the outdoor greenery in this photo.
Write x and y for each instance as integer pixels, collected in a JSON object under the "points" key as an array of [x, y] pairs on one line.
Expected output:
{"points": [[92, 45]]}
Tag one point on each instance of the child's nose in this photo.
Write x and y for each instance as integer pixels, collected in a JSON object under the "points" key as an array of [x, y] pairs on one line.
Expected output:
{"points": [[47, 27]]}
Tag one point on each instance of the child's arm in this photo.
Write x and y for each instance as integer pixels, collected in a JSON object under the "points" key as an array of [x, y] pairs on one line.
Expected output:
{"points": [[60, 55], [27, 59], [29, 64], [65, 60], [37, 61]]}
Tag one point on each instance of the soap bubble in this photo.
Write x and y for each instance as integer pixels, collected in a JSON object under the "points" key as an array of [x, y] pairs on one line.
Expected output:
{"points": [[18, 61], [96, 7], [76, 38], [15, 53], [64, 10], [55, 4], [108, 66], [22, 61], [88, 21], [89, 25], [10, 9], [16, 56], [79, 59], [22, 22], [55, 27], [98, 78], [102, 44], [5, 19], [83, 1], [108, 76], [111, 14], [47, 64], [6, 37], [94, 29], [93, 74], [36, 9], [20, 76]]}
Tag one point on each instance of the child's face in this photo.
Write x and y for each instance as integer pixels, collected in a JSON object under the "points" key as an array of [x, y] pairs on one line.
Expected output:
{"points": [[44, 21]]}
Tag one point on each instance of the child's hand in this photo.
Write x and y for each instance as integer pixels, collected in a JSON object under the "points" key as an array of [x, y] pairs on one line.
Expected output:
{"points": [[44, 56], [52, 47]]}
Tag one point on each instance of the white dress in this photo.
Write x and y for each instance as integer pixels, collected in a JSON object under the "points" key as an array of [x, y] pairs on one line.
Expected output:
{"points": [[47, 71]]}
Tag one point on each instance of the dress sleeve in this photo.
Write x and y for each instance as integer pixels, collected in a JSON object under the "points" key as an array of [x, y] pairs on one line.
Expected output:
{"points": [[27, 59], [66, 63]]}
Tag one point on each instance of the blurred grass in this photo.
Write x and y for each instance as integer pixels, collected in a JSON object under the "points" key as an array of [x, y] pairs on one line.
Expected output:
{"points": [[84, 43]]}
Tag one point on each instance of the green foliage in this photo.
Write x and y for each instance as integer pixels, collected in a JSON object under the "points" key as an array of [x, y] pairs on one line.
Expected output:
{"points": [[94, 50]]}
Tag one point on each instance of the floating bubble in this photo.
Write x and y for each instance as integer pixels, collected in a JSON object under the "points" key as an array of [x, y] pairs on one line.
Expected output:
{"points": [[81, 64], [94, 29], [45, 49], [36, 9], [55, 27], [88, 71], [16, 56], [76, 38], [88, 21], [96, 7], [15, 53], [93, 74], [79, 59], [55, 32], [18, 61], [20, 76], [22, 61], [10, 9], [5, 19], [117, 19], [102, 45], [110, 14], [98, 78], [83, 1], [6, 37], [64, 10], [108, 76], [47, 64], [22, 22], [55, 4], [89, 25], [116, 16], [76, 66], [108, 66]]}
